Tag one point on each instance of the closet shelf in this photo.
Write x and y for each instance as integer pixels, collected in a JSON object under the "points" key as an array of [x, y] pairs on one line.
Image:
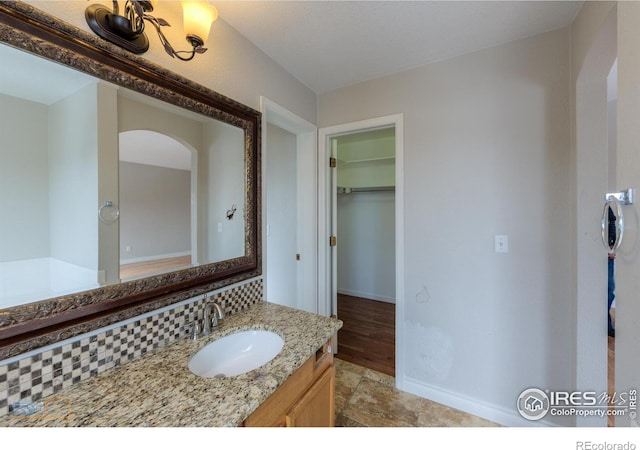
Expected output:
{"points": [[370, 160], [350, 190]]}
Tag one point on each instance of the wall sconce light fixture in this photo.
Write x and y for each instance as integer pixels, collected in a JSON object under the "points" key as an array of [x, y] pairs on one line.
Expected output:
{"points": [[127, 30], [231, 212]]}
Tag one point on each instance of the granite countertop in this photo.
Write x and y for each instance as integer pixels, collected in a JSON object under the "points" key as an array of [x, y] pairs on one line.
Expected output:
{"points": [[158, 389]]}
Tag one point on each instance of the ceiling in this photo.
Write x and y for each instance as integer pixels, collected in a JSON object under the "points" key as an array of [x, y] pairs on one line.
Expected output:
{"points": [[331, 44], [153, 149], [37, 79]]}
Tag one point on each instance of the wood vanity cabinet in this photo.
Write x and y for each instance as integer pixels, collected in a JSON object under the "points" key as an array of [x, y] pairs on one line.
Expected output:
{"points": [[306, 399]]}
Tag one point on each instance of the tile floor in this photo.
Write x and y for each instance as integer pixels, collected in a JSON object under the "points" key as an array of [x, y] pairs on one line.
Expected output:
{"points": [[366, 398]]}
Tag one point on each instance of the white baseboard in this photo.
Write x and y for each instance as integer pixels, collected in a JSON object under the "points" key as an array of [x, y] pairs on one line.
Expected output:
{"points": [[478, 408], [368, 295]]}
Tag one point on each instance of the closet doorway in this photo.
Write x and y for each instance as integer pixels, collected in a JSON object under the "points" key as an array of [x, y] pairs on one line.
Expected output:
{"points": [[361, 239], [365, 221]]}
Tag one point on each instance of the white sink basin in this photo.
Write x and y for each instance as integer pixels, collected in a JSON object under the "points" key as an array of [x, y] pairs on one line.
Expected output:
{"points": [[236, 354]]}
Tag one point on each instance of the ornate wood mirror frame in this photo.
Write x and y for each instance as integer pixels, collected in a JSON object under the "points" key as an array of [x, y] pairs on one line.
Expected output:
{"points": [[30, 326]]}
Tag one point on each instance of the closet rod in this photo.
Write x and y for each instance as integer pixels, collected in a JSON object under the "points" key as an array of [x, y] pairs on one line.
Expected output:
{"points": [[346, 190]]}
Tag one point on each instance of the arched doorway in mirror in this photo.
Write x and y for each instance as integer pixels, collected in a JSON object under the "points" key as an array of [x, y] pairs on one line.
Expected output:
{"points": [[156, 219]]}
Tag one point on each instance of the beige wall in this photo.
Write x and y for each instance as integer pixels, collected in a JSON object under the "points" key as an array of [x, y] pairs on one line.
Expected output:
{"points": [[155, 212], [487, 152]]}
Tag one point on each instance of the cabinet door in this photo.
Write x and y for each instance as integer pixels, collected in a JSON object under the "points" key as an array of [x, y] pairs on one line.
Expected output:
{"points": [[316, 408]]}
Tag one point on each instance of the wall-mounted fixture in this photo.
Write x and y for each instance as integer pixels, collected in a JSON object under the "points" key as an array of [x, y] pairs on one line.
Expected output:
{"points": [[231, 212], [127, 30], [613, 216], [108, 213]]}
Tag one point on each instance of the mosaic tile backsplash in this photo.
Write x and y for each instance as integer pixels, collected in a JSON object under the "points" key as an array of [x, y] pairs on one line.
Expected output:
{"points": [[43, 374]]}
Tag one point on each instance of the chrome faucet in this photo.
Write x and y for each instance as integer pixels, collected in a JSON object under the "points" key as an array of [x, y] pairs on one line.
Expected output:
{"points": [[213, 313]]}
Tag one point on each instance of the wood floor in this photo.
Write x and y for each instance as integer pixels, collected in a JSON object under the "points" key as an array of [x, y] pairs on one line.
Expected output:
{"points": [[611, 373], [137, 270], [367, 337]]}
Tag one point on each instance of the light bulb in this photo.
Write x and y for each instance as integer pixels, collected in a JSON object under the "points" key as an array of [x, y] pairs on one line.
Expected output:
{"points": [[198, 17]]}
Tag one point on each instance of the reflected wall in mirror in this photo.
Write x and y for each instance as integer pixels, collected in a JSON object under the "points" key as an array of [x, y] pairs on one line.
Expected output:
{"points": [[155, 204], [179, 173], [48, 180], [116, 183]]}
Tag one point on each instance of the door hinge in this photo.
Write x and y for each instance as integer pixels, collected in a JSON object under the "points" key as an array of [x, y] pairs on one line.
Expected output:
{"points": [[333, 241], [297, 256], [333, 163]]}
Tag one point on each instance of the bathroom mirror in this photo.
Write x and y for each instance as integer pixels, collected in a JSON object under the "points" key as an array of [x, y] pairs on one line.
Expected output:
{"points": [[79, 159]]}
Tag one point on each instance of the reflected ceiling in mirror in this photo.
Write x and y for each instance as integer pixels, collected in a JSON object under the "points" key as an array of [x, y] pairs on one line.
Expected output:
{"points": [[60, 260]]}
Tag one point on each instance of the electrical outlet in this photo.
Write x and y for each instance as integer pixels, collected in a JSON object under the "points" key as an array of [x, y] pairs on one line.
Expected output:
{"points": [[501, 244]]}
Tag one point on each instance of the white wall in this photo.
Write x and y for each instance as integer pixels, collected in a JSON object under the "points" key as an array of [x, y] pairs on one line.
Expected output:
{"points": [[51, 175], [612, 144], [24, 180], [366, 245], [486, 153], [222, 184], [281, 208], [73, 178]]}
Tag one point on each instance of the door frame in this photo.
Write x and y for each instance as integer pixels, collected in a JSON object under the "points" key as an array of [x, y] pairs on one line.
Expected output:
{"points": [[325, 135], [307, 197], [592, 183]]}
